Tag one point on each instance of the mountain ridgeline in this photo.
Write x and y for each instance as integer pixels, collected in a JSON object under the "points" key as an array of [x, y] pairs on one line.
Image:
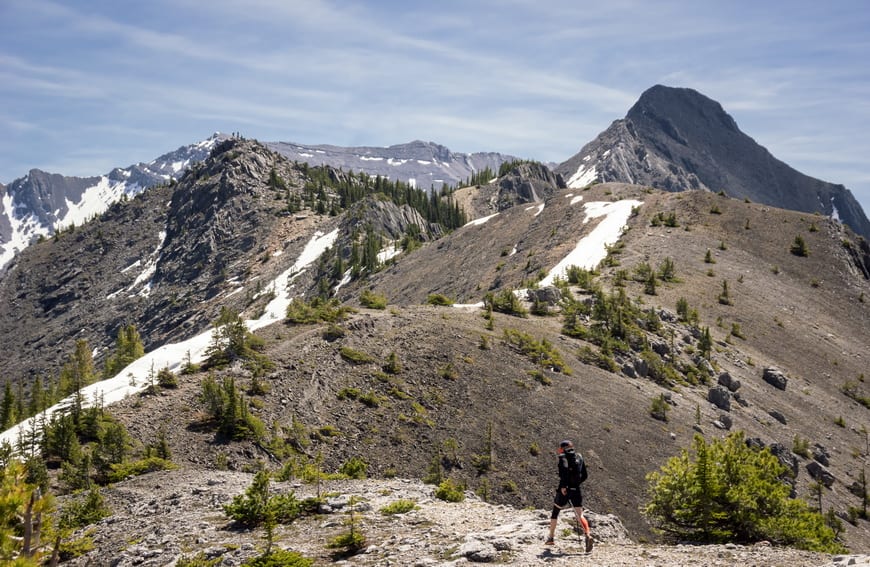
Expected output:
{"points": [[421, 342], [677, 139]]}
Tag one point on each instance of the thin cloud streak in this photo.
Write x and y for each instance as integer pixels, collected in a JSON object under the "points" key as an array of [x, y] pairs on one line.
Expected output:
{"points": [[537, 81]]}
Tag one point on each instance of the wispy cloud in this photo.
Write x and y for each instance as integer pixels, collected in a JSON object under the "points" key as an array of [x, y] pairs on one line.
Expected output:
{"points": [[531, 79]]}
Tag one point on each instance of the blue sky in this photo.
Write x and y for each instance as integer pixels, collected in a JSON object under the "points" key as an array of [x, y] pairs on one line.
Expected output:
{"points": [[89, 85]]}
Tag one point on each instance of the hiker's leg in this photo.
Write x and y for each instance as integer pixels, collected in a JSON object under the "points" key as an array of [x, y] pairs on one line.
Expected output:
{"points": [[582, 519], [554, 515]]}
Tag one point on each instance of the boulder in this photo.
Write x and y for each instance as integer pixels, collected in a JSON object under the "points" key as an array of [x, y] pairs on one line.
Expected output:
{"points": [[726, 380], [777, 416], [726, 420], [660, 347], [775, 377], [720, 397], [549, 295], [785, 457], [641, 367], [820, 473], [821, 454]]}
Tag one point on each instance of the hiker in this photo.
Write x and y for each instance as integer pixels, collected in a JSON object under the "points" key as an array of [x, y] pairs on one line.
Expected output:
{"points": [[572, 472]]}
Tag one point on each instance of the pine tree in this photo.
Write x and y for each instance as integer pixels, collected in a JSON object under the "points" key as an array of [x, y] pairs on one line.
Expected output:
{"points": [[732, 492], [7, 410], [128, 348], [25, 513], [77, 373], [705, 343]]}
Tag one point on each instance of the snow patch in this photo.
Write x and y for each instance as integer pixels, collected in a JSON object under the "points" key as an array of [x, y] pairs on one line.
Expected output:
{"points": [[23, 230], [367, 158], [277, 308], [389, 251], [583, 177], [134, 378], [481, 220], [576, 200], [540, 208], [835, 214], [592, 248]]}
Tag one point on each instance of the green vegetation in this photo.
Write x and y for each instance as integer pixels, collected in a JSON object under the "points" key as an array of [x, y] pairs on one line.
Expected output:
{"points": [[353, 540], [581, 277], [258, 506], [449, 491], [730, 492], [354, 468], [505, 301], [127, 469], [372, 300], [850, 389], [355, 356], [317, 311], [328, 190], [708, 257], [128, 348], [439, 299], [669, 220], [393, 364], [23, 511], [231, 340], [724, 296], [799, 247], [542, 352], [400, 506], [277, 558], [228, 409], [801, 446], [659, 408]]}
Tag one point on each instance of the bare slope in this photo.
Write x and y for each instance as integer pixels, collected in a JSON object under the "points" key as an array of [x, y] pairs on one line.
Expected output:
{"points": [[465, 393]]}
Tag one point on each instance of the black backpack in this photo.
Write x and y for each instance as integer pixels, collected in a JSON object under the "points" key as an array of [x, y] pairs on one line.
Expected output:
{"points": [[575, 465]]}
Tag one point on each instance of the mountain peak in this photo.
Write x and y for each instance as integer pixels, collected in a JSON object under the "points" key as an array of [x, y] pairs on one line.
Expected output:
{"points": [[678, 139], [681, 105]]}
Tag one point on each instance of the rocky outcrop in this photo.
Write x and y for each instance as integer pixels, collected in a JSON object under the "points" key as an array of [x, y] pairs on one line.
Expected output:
{"points": [[817, 471], [161, 518], [775, 377]]}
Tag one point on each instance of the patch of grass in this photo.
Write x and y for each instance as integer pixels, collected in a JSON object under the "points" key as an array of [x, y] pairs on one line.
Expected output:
{"points": [[801, 446], [540, 352], [439, 299], [372, 300], [354, 356], [401, 506]]}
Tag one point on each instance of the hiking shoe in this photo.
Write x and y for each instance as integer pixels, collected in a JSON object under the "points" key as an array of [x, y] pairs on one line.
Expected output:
{"points": [[549, 541], [588, 543]]}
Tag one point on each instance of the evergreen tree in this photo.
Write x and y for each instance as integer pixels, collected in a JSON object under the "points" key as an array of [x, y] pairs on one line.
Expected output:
{"points": [[732, 492], [77, 373], [128, 348], [24, 516], [7, 409]]}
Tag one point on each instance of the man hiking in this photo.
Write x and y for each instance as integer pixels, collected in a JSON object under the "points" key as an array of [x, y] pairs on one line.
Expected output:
{"points": [[572, 472]]}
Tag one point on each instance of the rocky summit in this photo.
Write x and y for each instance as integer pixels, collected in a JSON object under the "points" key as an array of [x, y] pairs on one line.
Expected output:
{"points": [[677, 139]]}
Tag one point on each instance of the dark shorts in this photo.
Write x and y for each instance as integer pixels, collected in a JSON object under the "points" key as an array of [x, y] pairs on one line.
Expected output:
{"points": [[574, 496]]}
